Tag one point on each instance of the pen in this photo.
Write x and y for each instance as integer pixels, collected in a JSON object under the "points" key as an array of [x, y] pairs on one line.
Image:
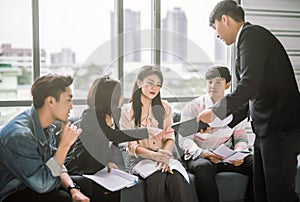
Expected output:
{"points": [[74, 123], [244, 152], [212, 151], [171, 172]]}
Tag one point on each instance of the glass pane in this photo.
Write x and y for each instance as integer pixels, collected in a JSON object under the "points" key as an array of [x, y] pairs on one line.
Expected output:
{"points": [[137, 39], [7, 113], [188, 46], [15, 54], [76, 36]]}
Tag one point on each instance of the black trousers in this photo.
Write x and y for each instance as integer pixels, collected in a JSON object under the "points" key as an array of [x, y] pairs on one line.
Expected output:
{"points": [[159, 183], [92, 190], [29, 195], [275, 166], [205, 172]]}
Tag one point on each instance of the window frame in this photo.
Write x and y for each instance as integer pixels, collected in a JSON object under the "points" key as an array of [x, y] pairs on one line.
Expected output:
{"points": [[119, 10]]}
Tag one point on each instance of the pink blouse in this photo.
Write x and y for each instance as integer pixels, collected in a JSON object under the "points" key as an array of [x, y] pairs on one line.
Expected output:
{"points": [[147, 120]]}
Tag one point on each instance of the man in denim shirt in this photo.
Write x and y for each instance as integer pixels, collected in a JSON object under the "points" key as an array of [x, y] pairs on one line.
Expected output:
{"points": [[31, 167]]}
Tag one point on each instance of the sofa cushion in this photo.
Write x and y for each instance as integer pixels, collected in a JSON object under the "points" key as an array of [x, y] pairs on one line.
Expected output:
{"points": [[232, 186]]}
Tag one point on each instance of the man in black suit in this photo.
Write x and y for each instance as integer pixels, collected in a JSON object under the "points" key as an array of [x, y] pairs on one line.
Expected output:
{"points": [[267, 87]]}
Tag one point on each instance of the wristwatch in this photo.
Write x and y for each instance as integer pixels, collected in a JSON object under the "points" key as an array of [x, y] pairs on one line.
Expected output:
{"points": [[72, 186]]}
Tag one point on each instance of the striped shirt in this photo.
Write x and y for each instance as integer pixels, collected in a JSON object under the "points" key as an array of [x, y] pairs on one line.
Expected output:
{"points": [[231, 137]]}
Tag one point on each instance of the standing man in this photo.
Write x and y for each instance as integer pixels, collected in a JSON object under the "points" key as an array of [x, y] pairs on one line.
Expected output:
{"points": [[31, 167], [266, 82]]}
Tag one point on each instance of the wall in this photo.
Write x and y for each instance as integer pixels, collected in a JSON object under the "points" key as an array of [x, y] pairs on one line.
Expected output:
{"points": [[282, 17]]}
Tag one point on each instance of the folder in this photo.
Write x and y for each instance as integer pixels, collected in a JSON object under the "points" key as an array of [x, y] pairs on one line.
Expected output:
{"points": [[189, 127], [147, 167], [115, 180]]}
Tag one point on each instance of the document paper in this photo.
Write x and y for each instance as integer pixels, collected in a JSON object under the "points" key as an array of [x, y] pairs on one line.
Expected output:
{"points": [[147, 167], [230, 154], [115, 180]]}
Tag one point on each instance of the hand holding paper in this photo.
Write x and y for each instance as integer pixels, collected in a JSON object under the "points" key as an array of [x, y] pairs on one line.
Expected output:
{"points": [[230, 154], [218, 123], [207, 116], [195, 125], [189, 127]]}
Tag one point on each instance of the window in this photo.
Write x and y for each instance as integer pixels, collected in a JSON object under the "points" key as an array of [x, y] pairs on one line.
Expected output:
{"points": [[188, 46], [81, 39], [137, 40], [72, 32], [15, 54], [76, 37]]}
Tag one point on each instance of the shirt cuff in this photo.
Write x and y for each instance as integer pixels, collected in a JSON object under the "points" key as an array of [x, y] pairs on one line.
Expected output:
{"points": [[134, 150], [64, 169], [55, 168]]}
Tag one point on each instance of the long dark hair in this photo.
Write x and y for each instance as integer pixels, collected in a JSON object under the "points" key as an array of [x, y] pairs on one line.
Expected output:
{"points": [[107, 96], [90, 101], [157, 107]]}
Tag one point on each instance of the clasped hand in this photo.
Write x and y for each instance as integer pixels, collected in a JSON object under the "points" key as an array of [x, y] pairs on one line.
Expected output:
{"points": [[164, 167], [162, 157]]}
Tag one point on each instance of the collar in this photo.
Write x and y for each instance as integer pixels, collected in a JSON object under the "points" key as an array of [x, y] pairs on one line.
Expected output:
{"points": [[38, 131], [238, 35], [208, 102]]}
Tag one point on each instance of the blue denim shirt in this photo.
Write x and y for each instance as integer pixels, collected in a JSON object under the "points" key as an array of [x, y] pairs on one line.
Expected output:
{"points": [[27, 156]]}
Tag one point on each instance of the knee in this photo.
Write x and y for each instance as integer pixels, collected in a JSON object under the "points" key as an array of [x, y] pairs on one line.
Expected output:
{"points": [[248, 165], [205, 169], [175, 178]]}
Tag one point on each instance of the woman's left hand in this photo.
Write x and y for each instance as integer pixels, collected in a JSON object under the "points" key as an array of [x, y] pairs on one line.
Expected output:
{"points": [[164, 167]]}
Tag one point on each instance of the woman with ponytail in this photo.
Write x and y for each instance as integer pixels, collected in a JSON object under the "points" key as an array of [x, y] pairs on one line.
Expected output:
{"points": [[97, 147]]}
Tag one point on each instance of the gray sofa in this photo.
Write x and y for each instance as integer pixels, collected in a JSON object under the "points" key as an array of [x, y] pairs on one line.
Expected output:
{"points": [[232, 188]]}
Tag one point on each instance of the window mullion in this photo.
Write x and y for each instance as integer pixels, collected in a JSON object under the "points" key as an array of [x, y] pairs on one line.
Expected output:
{"points": [[156, 25], [35, 35]]}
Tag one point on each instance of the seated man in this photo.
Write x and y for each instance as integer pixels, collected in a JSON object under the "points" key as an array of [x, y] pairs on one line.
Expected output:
{"points": [[31, 167], [197, 155]]}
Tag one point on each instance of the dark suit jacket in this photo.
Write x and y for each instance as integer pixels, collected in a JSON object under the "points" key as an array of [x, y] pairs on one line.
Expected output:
{"points": [[266, 81]]}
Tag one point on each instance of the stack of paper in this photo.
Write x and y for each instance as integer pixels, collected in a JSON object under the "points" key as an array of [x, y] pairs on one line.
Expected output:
{"points": [[147, 167], [115, 180]]}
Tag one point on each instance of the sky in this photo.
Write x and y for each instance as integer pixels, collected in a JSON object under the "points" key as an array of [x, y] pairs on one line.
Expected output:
{"points": [[84, 25]]}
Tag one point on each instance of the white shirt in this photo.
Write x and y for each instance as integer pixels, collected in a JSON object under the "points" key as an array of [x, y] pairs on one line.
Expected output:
{"points": [[238, 35]]}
